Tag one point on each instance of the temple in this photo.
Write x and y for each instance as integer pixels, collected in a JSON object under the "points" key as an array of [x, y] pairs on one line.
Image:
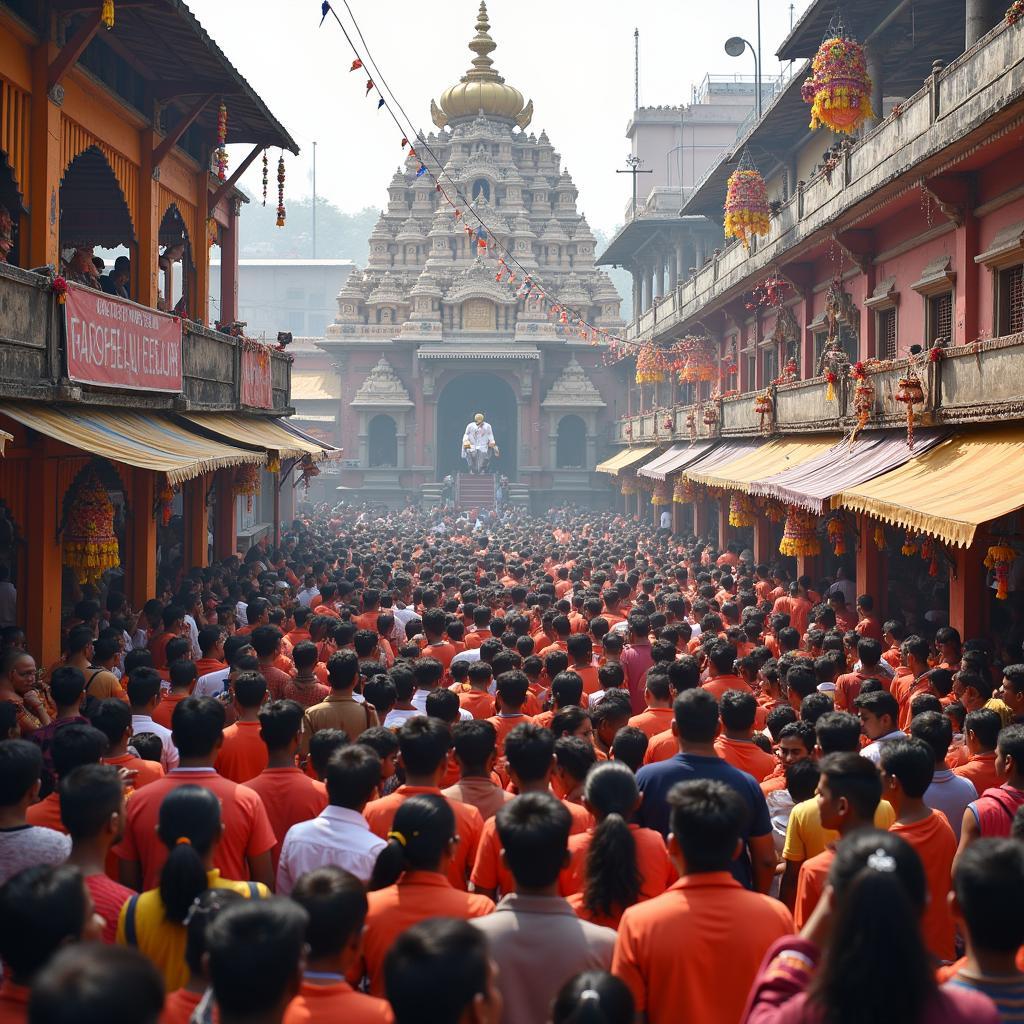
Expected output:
{"points": [[425, 336]]}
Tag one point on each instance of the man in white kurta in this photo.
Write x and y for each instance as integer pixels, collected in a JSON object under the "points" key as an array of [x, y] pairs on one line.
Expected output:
{"points": [[478, 444]]}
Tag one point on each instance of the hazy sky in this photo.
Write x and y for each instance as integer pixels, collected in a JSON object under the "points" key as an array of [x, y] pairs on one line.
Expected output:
{"points": [[573, 58]]}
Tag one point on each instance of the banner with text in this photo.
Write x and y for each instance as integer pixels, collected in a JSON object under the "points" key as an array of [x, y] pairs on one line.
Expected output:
{"points": [[256, 386], [115, 343]]}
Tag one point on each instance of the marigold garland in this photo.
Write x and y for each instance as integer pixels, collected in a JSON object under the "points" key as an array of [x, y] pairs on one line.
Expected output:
{"points": [[863, 397], [746, 206], [107, 14], [1014, 12], [763, 406], [89, 543], [910, 391], [59, 287], [650, 365], [307, 470], [839, 88], [741, 510], [879, 537], [773, 511], [247, 482], [799, 535], [222, 138], [662, 495], [999, 558], [280, 192], [266, 176], [698, 365], [627, 487], [837, 535], [684, 491], [910, 546], [165, 502]]}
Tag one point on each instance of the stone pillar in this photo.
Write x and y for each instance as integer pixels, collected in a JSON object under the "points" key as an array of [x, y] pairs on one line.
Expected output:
{"points": [[763, 540], [724, 529], [401, 437], [659, 277], [637, 293], [873, 57], [673, 272], [141, 555], [645, 290], [965, 298], [229, 266], [979, 18], [871, 565], [701, 518], [39, 601], [967, 599], [194, 503]]}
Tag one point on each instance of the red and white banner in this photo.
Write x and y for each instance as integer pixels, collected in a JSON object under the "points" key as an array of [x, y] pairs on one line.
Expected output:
{"points": [[256, 386], [119, 344]]}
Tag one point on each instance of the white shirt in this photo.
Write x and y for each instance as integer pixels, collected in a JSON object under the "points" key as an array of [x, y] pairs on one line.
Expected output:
{"points": [[479, 438], [419, 700], [241, 617], [169, 754], [873, 751], [305, 597], [212, 683], [396, 717], [336, 836], [666, 520], [193, 632]]}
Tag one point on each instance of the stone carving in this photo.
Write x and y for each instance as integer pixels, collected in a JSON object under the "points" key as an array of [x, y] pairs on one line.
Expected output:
{"points": [[382, 389], [573, 390]]}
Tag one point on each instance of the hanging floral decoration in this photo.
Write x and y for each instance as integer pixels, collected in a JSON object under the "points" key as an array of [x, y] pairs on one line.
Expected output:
{"points": [[746, 203], [280, 192], [863, 397], [107, 14], [212, 232], [59, 287], [1014, 12], [799, 535], [769, 293], [89, 543], [929, 554], [628, 486], [836, 528], [247, 482], [763, 406], [273, 464], [697, 363], [165, 502], [662, 494], [772, 510], [691, 425], [222, 138], [710, 415], [910, 545], [910, 391], [685, 491], [741, 510], [266, 176], [651, 366], [668, 423], [629, 429], [879, 536], [307, 470], [999, 559], [839, 88], [830, 390]]}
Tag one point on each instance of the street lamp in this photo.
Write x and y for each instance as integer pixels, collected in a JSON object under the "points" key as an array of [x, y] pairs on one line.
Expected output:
{"points": [[734, 47]]}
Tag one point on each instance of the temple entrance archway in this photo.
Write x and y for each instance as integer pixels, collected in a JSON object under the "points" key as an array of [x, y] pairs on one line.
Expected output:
{"points": [[460, 399]]}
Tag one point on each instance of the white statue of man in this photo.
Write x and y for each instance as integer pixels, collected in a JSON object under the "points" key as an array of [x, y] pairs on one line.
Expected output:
{"points": [[478, 444]]}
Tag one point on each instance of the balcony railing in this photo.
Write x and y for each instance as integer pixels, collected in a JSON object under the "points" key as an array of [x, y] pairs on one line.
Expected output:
{"points": [[33, 362]]}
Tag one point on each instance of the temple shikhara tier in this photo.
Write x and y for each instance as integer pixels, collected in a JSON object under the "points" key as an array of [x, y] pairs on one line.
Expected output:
{"points": [[426, 336]]}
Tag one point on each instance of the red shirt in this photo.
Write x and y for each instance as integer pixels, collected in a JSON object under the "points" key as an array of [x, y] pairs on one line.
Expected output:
{"points": [[244, 754], [165, 709], [108, 897], [13, 1003], [146, 771], [339, 1001], [179, 1006], [289, 796]]}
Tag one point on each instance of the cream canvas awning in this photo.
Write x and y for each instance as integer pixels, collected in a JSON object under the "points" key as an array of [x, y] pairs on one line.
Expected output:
{"points": [[678, 457], [147, 441], [760, 463], [264, 432], [625, 458]]}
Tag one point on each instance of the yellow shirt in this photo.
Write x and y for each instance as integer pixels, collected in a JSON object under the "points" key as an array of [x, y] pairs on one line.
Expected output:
{"points": [[805, 836], [163, 941]]}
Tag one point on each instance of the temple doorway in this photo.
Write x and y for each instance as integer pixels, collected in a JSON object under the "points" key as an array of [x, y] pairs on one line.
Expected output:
{"points": [[460, 399]]}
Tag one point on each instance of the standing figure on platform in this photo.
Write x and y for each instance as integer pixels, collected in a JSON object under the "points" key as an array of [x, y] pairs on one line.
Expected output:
{"points": [[478, 444]]}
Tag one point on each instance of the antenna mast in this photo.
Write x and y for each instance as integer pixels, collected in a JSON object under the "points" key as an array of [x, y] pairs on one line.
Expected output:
{"points": [[636, 69]]}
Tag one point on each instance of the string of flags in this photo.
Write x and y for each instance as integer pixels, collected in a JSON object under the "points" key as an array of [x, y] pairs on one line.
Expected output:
{"points": [[510, 272]]}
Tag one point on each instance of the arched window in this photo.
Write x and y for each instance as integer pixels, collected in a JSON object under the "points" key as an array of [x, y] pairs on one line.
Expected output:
{"points": [[482, 187], [571, 446], [383, 443]]}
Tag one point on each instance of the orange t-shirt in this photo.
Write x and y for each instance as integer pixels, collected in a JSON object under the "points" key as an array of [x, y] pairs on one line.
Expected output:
{"points": [[327, 1004], [289, 796], [418, 895], [46, 814], [489, 872], [179, 1006], [247, 831], [165, 709], [145, 771], [747, 756], [936, 844], [244, 754], [367, 620], [981, 770], [662, 746], [469, 824], [722, 684], [476, 637], [652, 721], [504, 724], [811, 884], [669, 949], [774, 782], [479, 703], [442, 652], [588, 673]]}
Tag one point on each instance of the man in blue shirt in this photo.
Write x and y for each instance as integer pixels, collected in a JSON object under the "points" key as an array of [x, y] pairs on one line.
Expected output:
{"points": [[695, 725]]}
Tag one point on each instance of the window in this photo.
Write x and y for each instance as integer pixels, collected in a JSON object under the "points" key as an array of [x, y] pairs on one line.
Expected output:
{"points": [[940, 318], [769, 365], [751, 371], [1011, 300], [885, 333], [382, 442], [571, 443]]}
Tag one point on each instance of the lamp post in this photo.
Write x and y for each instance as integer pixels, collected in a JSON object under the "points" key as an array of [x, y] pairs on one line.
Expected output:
{"points": [[734, 47]]}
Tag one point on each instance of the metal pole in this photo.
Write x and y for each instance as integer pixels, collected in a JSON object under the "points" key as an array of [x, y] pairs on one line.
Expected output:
{"points": [[636, 69], [759, 60], [314, 200]]}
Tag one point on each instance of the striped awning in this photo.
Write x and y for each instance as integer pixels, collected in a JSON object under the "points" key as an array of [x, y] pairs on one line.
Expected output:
{"points": [[256, 431], [625, 459], [678, 457], [759, 463]]}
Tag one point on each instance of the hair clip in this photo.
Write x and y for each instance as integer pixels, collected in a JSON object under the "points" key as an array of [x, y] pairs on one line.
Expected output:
{"points": [[398, 835], [590, 995], [881, 861], [183, 841]]}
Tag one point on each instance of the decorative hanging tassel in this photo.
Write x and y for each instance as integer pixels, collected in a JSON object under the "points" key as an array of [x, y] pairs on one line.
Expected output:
{"points": [[280, 192], [107, 14], [880, 538]]}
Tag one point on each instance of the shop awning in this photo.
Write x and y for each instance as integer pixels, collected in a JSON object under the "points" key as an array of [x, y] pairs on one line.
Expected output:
{"points": [[626, 458], [949, 491], [258, 431], [330, 451], [144, 440], [812, 483], [724, 454], [676, 458], [758, 464]]}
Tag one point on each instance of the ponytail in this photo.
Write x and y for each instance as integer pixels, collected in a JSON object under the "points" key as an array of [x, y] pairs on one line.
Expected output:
{"points": [[612, 875], [593, 997], [189, 827], [422, 829]]}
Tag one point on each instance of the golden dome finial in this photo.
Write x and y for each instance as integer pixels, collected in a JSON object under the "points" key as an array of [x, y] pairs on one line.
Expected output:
{"points": [[481, 90]]}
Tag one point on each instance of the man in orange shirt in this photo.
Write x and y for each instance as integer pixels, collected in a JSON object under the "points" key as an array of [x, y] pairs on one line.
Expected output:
{"points": [[848, 685], [367, 618], [669, 949], [183, 682], [580, 649], [659, 694], [721, 674], [289, 795], [243, 754], [74, 744], [436, 647], [113, 718], [424, 744], [981, 733], [849, 791], [796, 606], [907, 767], [173, 617], [512, 690], [336, 905], [243, 852], [562, 628], [736, 744], [477, 700]]}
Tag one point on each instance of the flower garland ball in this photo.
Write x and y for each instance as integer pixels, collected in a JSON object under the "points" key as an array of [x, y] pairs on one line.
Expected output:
{"points": [[746, 206], [89, 543], [107, 14], [247, 483], [999, 559], [837, 535], [662, 494], [839, 89], [741, 510], [910, 391], [280, 192], [650, 365], [799, 536], [222, 138], [266, 176]]}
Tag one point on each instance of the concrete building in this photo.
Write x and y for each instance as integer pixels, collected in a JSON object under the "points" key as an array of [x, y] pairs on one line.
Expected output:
{"points": [[294, 295]]}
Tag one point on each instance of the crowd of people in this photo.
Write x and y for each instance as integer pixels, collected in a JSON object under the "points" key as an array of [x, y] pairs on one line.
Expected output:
{"points": [[560, 769]]}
